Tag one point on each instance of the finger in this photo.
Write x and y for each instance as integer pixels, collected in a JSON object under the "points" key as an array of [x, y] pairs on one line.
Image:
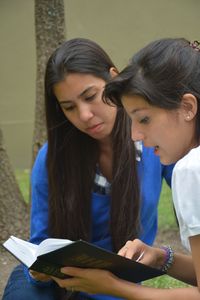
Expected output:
{"points": [[66, 283], [33, 273], [71, 271], [124, 249], [130, 253], [39, 276], [128, 250]]}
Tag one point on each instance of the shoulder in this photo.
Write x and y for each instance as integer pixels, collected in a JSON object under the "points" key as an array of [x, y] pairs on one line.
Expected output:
{"points": [[39, 167], [42, 153], [190, 163], [41, 156]]}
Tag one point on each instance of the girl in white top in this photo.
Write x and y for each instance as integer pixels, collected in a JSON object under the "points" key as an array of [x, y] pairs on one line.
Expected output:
{"points": [[186, 195], [160, 90]]}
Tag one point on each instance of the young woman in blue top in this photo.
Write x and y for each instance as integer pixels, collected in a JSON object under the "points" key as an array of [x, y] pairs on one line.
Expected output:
{"points": [[90, 181], [160, 91]]}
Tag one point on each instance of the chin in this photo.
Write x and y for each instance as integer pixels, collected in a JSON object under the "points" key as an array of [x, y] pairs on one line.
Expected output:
{"points": [[167, 161]]}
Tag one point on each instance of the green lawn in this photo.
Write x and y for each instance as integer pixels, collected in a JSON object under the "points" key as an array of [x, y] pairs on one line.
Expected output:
{"points": [[166, 221], [23, 178], [166, 216]]}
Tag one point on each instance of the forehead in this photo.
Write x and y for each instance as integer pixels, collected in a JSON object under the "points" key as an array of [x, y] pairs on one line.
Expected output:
{"points": [[76, 83], [81, 79], [137, 106], [134, 103]]}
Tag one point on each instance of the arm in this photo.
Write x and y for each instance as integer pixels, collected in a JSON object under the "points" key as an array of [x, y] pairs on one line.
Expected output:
{"points": [[103, 282], [39, 208], [98, 281], [39, 198], [195, 248], [155, 257]]}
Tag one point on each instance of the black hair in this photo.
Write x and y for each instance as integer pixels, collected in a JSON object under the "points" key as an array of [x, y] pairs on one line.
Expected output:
{"points": [[161, 73], [73, 155]]}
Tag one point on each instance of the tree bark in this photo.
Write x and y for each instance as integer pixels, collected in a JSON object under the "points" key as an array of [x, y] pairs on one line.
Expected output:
{"points": [[49, 32], [14, 216]]}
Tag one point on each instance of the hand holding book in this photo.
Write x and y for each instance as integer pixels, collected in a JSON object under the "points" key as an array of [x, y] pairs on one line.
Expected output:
{"points": [[53, 254], [96, 281], [39, 276]]}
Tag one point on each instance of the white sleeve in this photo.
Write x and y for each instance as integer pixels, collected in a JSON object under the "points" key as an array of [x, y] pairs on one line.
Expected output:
{"points": [[186, 195]]}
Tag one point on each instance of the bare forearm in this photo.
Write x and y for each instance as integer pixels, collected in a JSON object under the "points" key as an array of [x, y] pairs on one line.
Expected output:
{"points": [[183, 269], [103, 282], [136, 292]]}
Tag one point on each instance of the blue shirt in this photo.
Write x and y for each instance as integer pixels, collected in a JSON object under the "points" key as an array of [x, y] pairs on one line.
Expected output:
{"points": [[151, 173]]}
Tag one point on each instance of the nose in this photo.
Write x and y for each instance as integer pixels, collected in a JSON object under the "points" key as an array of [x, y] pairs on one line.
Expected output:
{"points": [[136, 133], [85, 113]]}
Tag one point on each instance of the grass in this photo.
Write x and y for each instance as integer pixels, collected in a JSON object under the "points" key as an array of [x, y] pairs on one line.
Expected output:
{"points": [[23, 178], [166, 221], [166, 216]]}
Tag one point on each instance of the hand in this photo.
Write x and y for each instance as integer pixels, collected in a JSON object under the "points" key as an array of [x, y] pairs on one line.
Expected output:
{"points": [[39, 276], [91, 281], [139, 251]]}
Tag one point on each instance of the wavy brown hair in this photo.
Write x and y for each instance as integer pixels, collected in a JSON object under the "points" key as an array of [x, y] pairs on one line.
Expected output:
{"points": [[72, 155]]}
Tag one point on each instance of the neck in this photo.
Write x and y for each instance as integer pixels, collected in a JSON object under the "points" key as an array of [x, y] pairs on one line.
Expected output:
{"points": [[105, 158], [105, 144]]}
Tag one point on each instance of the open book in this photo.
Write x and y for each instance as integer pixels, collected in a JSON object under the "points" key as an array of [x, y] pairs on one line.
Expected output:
{"points": [[52, 254]]}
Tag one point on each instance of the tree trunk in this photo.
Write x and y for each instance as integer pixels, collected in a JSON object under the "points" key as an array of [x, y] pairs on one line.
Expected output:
{"points": [[50, 32], [50, 28], [14, 216]]}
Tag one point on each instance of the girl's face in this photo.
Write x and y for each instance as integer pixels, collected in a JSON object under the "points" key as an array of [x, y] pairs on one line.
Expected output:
{"points": [[80, 97], [170, 133]]}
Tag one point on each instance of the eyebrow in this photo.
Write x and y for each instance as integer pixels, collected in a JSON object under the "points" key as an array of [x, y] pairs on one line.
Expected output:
{"points": [[137, 109], [85, 91], [79, 96]]}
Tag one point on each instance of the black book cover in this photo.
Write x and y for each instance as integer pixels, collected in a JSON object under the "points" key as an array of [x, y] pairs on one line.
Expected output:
{"points": [[86, 255]]}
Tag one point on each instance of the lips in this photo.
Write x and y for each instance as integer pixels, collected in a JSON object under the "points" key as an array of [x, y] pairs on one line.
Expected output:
{"points": [[94, 128]]}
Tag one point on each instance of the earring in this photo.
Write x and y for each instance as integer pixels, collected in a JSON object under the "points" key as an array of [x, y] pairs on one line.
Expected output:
{"points": [[188, 117]]}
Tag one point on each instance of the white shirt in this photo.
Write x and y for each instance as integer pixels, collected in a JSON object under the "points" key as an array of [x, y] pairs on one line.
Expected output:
{"points": [[186, 195]]}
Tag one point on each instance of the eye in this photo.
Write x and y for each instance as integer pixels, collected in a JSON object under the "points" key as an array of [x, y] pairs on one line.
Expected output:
{"points": [[145, 120], [91, 97], [69, 108]]}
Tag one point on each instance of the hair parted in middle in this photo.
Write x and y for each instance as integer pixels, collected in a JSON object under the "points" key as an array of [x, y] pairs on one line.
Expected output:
{"points": [[73, 156]]}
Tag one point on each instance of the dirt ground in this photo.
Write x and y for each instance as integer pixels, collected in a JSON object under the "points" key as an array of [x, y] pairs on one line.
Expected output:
{"points": [[7, 262]]}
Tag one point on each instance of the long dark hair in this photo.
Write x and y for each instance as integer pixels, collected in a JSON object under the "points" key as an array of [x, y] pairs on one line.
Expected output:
{"points": [[161, 73], [73, 156]]}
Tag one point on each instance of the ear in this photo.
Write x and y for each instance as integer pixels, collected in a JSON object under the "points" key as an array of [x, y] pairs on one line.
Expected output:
{"points": [[189, 106], [113, 72]]}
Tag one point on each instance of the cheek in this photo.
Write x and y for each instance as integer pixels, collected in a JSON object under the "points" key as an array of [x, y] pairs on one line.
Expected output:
{"points": [[106, 112], [112, 112], [67, 115], [71, 118], [163, 129]]}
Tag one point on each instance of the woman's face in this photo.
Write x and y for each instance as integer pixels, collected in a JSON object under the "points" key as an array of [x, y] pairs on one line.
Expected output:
{"points": [[170, 133], [80, 98]]}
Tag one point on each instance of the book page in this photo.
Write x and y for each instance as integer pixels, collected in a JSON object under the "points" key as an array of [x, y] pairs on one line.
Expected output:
{"points": [[24, 251], [51, 244]]}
